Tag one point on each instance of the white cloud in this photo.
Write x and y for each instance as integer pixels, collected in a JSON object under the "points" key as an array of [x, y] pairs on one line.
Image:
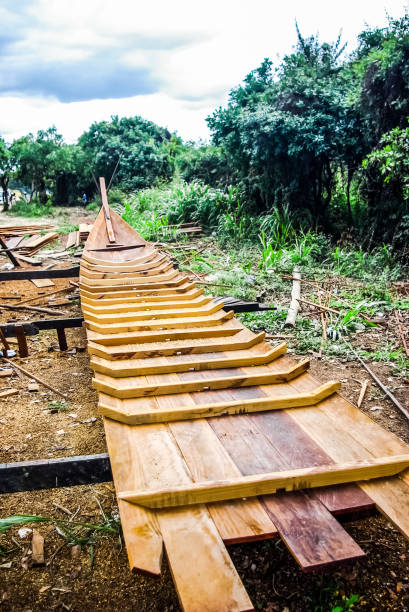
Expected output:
{"points": [[181, 57]]}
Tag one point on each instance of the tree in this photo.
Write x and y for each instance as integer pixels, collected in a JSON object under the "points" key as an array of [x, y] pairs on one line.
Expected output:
{"points": [[289, 136], [6, 171], [142, 148]]}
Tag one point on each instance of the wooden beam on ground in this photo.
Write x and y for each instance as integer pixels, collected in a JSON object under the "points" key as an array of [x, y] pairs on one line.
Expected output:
{"points": [[29, 274], [22, 341], [9, 254], [53, 473], [265, 484]]}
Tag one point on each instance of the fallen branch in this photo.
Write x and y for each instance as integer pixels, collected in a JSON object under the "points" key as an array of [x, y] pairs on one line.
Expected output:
{"points": [[36, 308], [42, 297], [295, 299], [193, 255], [378, 382], [30, 375], [339, 313]]}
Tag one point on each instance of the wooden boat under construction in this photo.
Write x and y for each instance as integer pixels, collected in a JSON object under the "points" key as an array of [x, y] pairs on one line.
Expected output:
{"points": [[215, 436]]}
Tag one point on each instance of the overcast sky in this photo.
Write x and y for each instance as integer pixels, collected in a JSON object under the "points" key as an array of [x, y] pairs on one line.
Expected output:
{"points": [[70, 63]]}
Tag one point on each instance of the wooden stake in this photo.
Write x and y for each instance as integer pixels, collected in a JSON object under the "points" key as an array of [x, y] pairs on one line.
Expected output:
{"points": [[30, 375], [108, 222], [364, 387], [22, 341], [295, 299]]}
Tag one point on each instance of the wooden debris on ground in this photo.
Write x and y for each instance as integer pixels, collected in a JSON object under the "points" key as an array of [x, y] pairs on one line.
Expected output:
{"points": [[37, 548], [40, 283], [79, 236]]}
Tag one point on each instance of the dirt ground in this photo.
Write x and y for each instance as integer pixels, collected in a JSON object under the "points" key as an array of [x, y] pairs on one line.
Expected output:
{"points": [[98, 578]]}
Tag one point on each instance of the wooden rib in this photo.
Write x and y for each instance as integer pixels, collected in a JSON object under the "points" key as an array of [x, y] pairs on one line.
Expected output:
{"points": [[128, 411], [154, 284], [242, 340], [225, 329], [135, 298], [119, 276], [142, 367], [147, 314], [149, 325], [156, 258], [106, 294], [147, 305], [131, 387], [136, 279], [265, 484]]}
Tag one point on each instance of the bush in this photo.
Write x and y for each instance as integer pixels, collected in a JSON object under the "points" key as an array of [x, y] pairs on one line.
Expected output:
{"points": [[32, 209]]}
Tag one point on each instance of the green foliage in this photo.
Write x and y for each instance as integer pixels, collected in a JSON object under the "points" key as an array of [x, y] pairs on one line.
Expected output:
{"points": [[142, 148], [59, 405], [34, 208]]}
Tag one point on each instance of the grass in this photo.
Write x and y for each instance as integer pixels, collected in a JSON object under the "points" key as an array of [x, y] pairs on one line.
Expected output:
{"points": [[34, 208], [59, 405], [73, 532]]}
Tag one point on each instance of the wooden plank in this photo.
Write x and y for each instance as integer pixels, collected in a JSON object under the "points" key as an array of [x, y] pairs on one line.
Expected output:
{"points": [[185, 363], [71, 240], [227, 329], [154, 280], [243, 339], [132, 387], [253, 453], [140, 526], [137, 411], [151, 325], [267, 483], [42, 282], [204, 575], [148, 314], [237, 520], [183, 302], [105, 206], [134, 298]]}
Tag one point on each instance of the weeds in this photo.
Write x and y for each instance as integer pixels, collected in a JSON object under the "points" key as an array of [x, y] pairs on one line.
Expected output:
{"points": [[61, 406], [73, 532], [34, 208]]}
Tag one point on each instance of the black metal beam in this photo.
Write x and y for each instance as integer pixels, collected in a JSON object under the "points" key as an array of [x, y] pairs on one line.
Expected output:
{"points": [[32, 328], [28, 274], [54, 473]]}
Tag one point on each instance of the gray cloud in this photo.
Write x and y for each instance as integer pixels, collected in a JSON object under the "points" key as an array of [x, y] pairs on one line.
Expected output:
{"points": [[102, 73], [99, 76]]}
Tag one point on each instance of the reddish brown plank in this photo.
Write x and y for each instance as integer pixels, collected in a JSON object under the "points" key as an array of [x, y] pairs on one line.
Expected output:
{"points": [[313, 536]]}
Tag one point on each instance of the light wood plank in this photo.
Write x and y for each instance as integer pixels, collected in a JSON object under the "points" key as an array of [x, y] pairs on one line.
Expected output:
{"points": [[131, 387], [205, 361], [134, 413]]}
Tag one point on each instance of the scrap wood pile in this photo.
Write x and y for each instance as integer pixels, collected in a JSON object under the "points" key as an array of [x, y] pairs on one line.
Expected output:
{"points": [[211, 431], [28, 239], [79, 236]]}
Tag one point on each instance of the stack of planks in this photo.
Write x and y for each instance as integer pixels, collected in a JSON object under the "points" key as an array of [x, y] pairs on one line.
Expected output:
{"points": [[28, 239], [214, 436], [78, 237]]}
